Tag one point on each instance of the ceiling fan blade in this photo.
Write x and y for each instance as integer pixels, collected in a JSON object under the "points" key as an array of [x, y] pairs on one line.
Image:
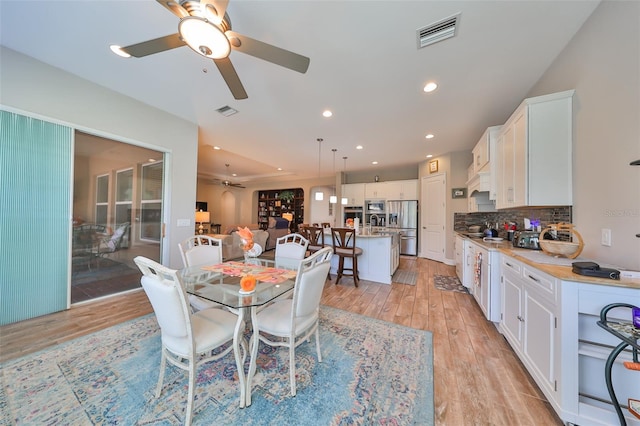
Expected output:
{"points": [[156, 45], [220, 6], [174, 8], [268, 52], [231, 77]]}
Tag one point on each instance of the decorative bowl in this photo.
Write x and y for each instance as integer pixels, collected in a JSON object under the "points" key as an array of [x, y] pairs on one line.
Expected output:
{"points": [[560, 248], [474, 229]]}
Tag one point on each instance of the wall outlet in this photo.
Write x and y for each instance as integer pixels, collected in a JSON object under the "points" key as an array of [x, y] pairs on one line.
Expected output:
{"points": [[184, 222], [606, 237]]}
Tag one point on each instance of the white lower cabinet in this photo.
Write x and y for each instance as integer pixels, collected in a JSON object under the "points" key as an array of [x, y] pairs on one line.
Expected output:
{"points": [[552, 327], [529, 321]]}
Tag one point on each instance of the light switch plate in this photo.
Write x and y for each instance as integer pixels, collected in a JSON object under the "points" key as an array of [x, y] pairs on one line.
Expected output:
{"points": [[606, 237]]}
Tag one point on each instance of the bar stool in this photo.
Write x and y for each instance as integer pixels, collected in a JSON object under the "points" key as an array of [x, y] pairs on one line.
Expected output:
{"points": [[315, 235], [344, 246]]}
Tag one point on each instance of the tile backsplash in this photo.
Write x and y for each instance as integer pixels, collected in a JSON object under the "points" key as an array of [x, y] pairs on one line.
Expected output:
{"points": [[546, 216]]}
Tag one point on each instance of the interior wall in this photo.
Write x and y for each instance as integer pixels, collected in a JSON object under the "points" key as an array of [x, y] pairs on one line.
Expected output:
{"points": [[33, 88], [602, 63]]}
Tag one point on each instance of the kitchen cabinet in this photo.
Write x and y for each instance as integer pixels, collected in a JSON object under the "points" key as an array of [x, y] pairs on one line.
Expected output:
{"points": [[552, 327], [529, 320], [354, 192], [402, 189], [375, 191], [534, 153], [459, 257]]}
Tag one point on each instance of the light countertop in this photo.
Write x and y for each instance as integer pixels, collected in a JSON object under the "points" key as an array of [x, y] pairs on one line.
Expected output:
{"points": [[559, 268]]}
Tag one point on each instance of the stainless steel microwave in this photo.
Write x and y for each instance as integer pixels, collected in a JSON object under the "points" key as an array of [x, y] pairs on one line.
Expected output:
{"points": [[374, 206]]}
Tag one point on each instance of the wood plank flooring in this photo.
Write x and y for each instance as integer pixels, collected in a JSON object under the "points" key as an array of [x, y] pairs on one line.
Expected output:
{"points": [[478, 380]]}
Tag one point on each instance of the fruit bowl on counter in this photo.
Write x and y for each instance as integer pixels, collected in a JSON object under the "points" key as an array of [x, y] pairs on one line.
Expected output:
{"points": [[558, 248]]}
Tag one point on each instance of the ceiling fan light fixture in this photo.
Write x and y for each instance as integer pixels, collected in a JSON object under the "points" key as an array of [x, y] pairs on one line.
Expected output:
{"points": [[118, 51], [204, 38]]}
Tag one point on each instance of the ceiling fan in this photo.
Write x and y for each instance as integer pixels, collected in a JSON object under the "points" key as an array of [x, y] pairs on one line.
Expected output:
{"points": [[227, 182], [205, 27]]}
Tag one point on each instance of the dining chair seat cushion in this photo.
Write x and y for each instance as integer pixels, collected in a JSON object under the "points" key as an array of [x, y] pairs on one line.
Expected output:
{"points": [[210, 328], [348, 251], [314, 247], [199, 303], [275, 319]]}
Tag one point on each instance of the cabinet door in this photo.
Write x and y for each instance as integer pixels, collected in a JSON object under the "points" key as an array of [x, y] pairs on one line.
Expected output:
{"points": [[409, 189], [520, 163], [376, 190], [511, 323], [539, 337], [354, 192], [481, 152]]}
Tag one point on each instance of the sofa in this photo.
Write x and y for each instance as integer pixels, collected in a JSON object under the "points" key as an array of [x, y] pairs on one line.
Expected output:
{"points": [[277, 227], [231, 242]]}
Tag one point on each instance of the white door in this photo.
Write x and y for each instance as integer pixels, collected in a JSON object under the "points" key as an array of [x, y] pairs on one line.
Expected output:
{"points": [[433, 217]]}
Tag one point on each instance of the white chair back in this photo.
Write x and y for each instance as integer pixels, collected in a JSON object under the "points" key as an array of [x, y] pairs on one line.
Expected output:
{"points": [[290, 249], [169, 301], [201, 250], [310, 283]]}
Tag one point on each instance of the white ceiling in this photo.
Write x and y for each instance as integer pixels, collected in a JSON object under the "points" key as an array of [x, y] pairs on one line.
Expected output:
{"points": [[365, 67]]}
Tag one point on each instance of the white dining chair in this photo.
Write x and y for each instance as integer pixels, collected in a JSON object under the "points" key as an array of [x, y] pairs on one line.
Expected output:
{"points": [[290, 322], [201, 250], [188, 340], [290, 250]]}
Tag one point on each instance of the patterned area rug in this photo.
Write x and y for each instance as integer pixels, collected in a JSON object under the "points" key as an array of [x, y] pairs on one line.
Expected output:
{"points": [[404, 276], [445, 282], [373, 372]]}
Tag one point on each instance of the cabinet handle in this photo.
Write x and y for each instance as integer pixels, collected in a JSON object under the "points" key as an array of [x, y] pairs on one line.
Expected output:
{"points": [[508, 264], [533, 278], [520, 318]]}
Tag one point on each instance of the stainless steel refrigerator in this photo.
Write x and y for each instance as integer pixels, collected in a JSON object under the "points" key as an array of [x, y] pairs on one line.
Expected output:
{"points": [[404, 216]]}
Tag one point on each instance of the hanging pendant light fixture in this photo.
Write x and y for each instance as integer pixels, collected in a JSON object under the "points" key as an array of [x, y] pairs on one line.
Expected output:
{"points": [[344, 200], [319, 194], [334, 199]]}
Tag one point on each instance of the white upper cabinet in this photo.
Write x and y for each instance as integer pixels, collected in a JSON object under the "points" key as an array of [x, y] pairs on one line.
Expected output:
{"points": [[354, 192], [402, 189], [375, 191], [534, 154]]}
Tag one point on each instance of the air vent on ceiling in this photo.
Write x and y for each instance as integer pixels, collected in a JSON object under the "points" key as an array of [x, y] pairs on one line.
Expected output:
{"points": [[226, 110], [438, 31]]}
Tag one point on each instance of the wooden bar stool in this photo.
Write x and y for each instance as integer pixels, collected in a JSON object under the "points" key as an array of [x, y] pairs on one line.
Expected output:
{"points": [[344, 246], [315, 235]]}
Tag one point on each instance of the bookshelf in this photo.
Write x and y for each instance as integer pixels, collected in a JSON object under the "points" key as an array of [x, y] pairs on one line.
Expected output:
{"points": [[275, 202]]}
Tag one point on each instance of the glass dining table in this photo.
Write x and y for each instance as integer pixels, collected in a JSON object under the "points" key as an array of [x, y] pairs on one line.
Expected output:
{"points": [[220, 283]]}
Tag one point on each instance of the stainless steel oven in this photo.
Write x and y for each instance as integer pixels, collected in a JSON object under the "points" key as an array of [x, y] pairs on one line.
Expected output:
{"points": [[353, 212]]}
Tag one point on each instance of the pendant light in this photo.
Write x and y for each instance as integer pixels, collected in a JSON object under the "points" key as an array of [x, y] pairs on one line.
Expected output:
{"points": [[319, 194], [334, 199], [344, 200]]}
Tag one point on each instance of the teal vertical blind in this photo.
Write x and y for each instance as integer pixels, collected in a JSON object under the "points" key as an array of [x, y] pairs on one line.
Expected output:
{"points": [[35, 191]]}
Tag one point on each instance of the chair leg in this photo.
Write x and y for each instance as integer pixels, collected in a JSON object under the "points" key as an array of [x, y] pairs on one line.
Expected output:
{"points": [[192, 385], [340, 269], [356, 278], [163, 364], [318, 344], [292, 365]]}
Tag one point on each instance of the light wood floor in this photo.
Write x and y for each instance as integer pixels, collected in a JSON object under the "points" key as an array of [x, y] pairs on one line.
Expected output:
{"points": [[478, 378]]}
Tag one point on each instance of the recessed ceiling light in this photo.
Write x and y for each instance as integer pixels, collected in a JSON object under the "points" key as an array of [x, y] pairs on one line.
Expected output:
{"points": [[118, 51], [151, 160], [326, 113], [429, 136], [430, 87], [429, 156], [234, 174], [216, 147], [374, 162], [279, 169], [359, 147]]}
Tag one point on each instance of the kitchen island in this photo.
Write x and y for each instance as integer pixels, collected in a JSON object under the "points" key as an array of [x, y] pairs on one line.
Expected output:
{"points": [[380, 255]]}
